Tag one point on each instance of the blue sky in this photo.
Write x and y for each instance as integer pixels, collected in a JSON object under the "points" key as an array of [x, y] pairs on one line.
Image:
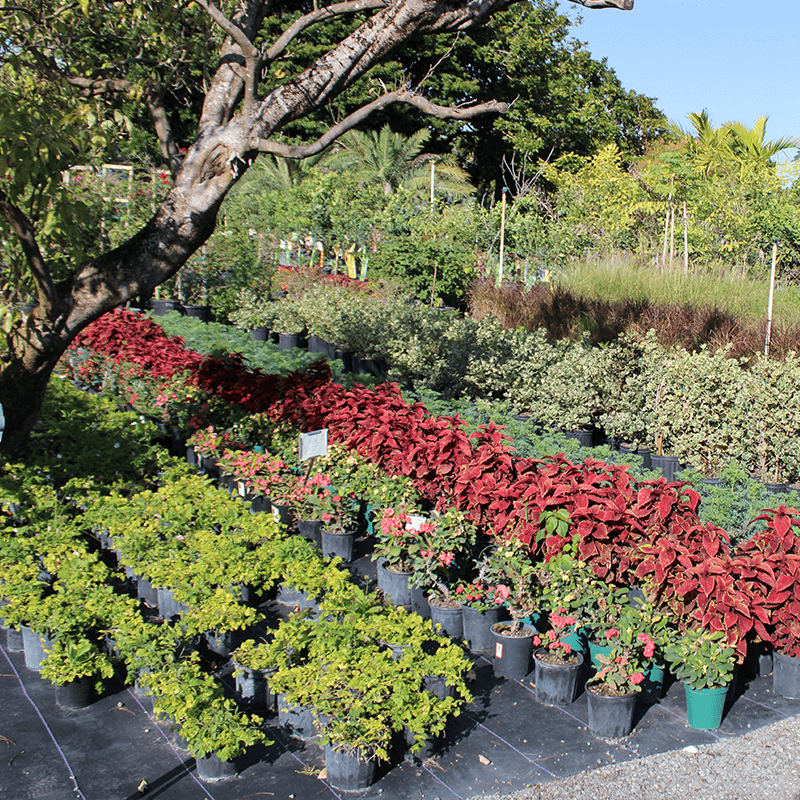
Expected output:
{"points": [[735, 58]]}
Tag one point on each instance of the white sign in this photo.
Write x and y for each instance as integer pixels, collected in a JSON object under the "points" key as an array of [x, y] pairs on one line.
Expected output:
{"points": [[313, 444]]}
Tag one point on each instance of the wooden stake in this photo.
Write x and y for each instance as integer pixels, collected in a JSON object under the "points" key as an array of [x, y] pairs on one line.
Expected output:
{"points": [[771, 299], [666, 235], [685, 240], [502, 235]]}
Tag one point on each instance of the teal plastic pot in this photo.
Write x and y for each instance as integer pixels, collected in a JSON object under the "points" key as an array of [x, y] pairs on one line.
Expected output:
{"points": [[596, 650], [653, 684], [704, 707], [576, 640]]}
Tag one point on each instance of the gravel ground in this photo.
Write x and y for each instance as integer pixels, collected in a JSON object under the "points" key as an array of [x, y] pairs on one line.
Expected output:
{"points": [[762, 765]]}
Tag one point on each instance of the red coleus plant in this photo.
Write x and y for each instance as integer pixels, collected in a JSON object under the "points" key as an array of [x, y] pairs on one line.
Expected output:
{"points": [[131, 338], [767, 567]]}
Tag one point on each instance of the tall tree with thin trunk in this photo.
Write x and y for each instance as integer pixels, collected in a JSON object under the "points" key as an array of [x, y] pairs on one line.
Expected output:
{"points": [[71, 74]]}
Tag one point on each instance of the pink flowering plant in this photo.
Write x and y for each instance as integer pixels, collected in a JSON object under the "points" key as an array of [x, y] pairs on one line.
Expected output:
{"points": [[431, 547], [480, 595], [256, 473], [516, 577], [636, 642], [397, 537], [445, 541], [314, 498], [559, 651], [210, 443], [621, 670]]}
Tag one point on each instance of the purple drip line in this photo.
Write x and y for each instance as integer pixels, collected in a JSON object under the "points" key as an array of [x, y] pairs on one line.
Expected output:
{"points": [[439, 780], [497, 736], [47, 727], [177, 754]]}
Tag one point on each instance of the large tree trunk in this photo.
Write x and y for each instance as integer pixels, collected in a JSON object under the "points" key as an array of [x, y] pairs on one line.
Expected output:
{"points": [[182, 224]]}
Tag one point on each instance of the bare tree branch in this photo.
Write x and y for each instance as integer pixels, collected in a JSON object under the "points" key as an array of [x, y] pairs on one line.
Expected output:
{"points": [[622, 5], [398, 96], [250, 53], [231, 28], [320, 14], [468, 16], [92, 87], [26, 235], [163, 129]]}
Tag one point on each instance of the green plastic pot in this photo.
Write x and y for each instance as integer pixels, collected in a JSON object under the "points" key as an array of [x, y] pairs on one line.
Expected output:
{"points": [[704, 707]]}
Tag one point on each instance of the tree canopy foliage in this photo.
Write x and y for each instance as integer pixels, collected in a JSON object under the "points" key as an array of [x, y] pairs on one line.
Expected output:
{"points": [[219, 83]]}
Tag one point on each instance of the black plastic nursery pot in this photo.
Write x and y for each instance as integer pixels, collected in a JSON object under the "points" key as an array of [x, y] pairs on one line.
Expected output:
{"points": [[338, 544], [394, 585], [610, 716], [14, 640], [349, 772], [260, 334], [252, 685], [668, 466], [786, 676], [477, 627], [556, 684], [201, 312], [512, 652], [298, 720], [162, 307], [75, 694], [212, 768], [34, 645], [311, 529], [447, 620], [286, 341], [283, 514]]}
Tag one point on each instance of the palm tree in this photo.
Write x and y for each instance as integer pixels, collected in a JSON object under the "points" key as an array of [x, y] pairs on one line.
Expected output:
{"points": [[731, 144], [271, 173], [393, 160]]}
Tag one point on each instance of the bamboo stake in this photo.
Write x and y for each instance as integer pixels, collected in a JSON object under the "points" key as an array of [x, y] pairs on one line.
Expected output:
{"points": [[685, 240], [771, 299], [502, 235]]}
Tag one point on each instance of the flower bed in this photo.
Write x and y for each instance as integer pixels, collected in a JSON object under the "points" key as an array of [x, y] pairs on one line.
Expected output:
{"points": [[644, 532]]}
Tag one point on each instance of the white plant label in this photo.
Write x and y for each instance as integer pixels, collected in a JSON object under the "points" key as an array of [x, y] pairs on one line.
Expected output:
{"points": [[313, 444], [498, 650]]}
